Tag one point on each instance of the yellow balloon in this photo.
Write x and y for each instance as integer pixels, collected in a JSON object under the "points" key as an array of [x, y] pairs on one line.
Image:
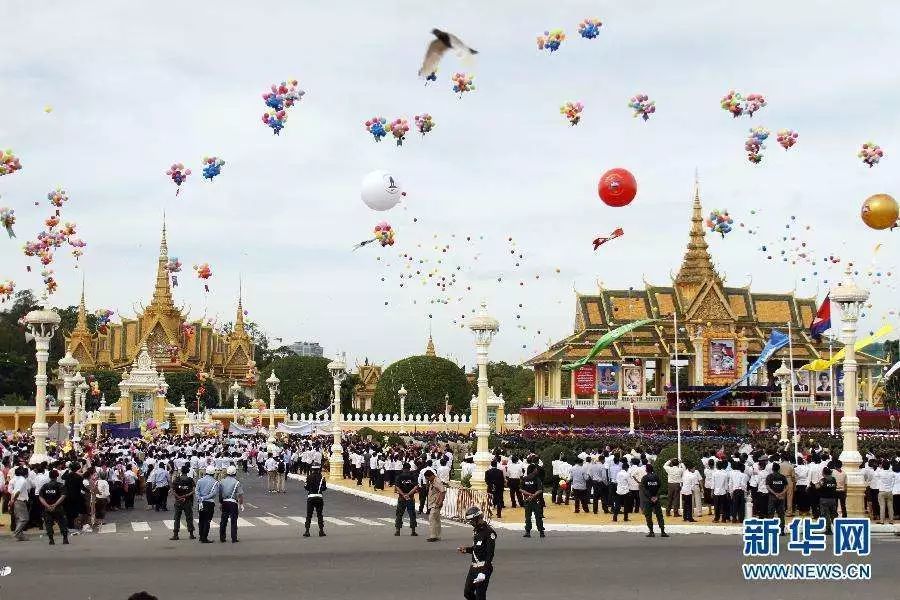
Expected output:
{"points": [[880, 211], [48, 109]]}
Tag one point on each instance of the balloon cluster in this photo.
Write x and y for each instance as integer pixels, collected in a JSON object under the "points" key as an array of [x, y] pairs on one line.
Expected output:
{"points": [[103, 316], [174, 266], [9, 162], [463, 83], [720, 222], [279, 98], [77, 245], [179, 174], [589, 28], [212, 166], [6, 290], [384, 234], [57, 198], [431, 77], [572, 112], [376, 126], [187, 331], [50, 239], [551, 40], [204, 273], [49, 280], [870, 153], [754, 144], [735, 103], [642, 106], [787, 138], [399, 128], [8, 219], [424, 123]]}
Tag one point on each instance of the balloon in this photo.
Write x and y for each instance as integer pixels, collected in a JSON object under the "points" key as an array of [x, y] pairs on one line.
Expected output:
{"points": [[380, 191], [179, 174], [880, 211], [424, 123], [551, 40], [870, 153], [9, 162], [399, 128], [720, 222], [572, 112], [642, 105], [212, 166], [6, 290], [384, 234], [8, 219], [376, 126], [787, 138], [754, 144], [617, 187], [463, 83], [57, 198], [735, 103], [279, 98], [589, 28]]}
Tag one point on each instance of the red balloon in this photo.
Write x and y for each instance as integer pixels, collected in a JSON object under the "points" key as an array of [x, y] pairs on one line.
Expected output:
{"points": [[617, 187]]}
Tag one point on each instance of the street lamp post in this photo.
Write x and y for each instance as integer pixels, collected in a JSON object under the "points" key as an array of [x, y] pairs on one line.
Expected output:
{"points": [[272, 382], [83, 388], [484, 327], [235, 392], [40, 325], [850, 299], [68, 365], [783, 377], [338, 370], [631, 395], [402, 392]]}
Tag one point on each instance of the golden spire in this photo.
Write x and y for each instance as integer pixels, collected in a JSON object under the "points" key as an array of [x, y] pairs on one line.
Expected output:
{"points": [[697, 265], [162, 293], [239, 320], [81, 325], [429, 350]]}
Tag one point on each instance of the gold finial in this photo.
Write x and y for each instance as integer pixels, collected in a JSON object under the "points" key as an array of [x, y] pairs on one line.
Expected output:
{"points": [[162, 293], [429, 350], [81, 324], [697, 265]]}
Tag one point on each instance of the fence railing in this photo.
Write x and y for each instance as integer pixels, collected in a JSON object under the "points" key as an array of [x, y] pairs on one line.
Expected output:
{"points": [[458, 500]]}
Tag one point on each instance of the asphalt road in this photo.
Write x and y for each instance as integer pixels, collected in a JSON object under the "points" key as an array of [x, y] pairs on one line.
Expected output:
{"points": [[360, 558]]}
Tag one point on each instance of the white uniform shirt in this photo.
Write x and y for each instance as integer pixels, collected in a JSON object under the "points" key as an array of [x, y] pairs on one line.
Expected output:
{"points": [[674, 473], [515, 470], [622, 479], [801, 473]]}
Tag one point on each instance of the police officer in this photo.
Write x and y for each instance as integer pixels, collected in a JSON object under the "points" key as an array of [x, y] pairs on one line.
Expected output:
{"points": [[777, 485], [52, 497], [649, 488], [231, 501], [315, 499], [207, 492], [828, 498], [406, 485], [496, 482], [533, 492], [183, 490], [482, 551]]}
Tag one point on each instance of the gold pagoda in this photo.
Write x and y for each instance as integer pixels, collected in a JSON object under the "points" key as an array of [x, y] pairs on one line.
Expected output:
{"points": [[173, 342]]}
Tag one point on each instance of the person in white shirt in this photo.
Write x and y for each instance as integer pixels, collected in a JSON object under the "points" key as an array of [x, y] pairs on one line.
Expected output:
{"points": [[884, 482], [622, 499], [443, 471], [690, 482], [720, 489], [895, 490], [674, 470], [514, 472], [271, 467], [801, 475], [737, 485], [815, 478], [18, 492], [636, 472], [558, 476]]}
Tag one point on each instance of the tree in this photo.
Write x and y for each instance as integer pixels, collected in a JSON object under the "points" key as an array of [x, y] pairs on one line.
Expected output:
{"points": [[515, 382], [427, 380], [347, 387], [186, 383], [306, 385]]}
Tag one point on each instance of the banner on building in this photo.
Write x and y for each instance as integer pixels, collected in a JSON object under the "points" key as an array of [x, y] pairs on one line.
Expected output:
{"points": [[585, 380], [608, 379]]}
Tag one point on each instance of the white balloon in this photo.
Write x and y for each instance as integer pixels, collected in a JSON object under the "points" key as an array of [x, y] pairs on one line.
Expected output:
{"points": [[380, 190]]}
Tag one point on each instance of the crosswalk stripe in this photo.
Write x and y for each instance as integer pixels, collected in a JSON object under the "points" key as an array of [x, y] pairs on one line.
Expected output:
{"points": [[301, 520], [336, 521], [453, 523], [169, 523], [140, 526], [386, 519], [108, 528], [272, 521], [245, 522], [365, 521]]}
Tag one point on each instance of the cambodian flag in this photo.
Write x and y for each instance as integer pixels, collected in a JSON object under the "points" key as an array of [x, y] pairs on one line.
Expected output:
{"points": [[822, 322]]}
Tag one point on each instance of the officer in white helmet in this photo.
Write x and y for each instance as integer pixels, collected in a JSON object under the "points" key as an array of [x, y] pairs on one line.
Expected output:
{"points": [[482, 551], [231, 501], [207, 492]]}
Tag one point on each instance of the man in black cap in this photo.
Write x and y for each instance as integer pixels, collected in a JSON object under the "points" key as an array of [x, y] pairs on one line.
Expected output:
{"points": [[649, 493], [533, 491], [315, 498], [482, 551], [406, 485], [74, 504], [777, 485], [496, 482], [183, 490]]}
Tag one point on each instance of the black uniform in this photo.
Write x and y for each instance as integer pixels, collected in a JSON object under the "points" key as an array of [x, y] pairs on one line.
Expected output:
{"points": [[482, 551], [74, 504], [534, 506], [828, 500], [650, 486], [777, 483], [315, 499], [183, 486], [406, 482], [50, 493], [496, 483]]}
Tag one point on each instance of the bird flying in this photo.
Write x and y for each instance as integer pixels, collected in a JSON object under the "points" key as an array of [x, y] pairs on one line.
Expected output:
{"points": [[436, 49]]}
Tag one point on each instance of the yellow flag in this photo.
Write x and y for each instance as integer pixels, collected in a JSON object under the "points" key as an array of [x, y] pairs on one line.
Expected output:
{"points": [[821, 364]]}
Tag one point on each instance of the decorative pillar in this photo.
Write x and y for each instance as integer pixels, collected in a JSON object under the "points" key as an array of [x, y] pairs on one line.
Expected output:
{"points": [[484, 327], [631, 413], [80, 392], [235, 392], [272, 382], [697, 342], [783, 376], [68, 365], [850, 298], [40, 325], [743, 344], [338, 370], [402, 392]]}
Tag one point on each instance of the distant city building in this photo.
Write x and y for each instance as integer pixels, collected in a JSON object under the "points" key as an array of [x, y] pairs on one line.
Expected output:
{"points": [[307, 349]]}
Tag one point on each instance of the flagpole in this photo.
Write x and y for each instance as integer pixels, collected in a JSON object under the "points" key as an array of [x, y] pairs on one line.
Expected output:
{"points": [[831, 383], [791, 386], [677, 395]]}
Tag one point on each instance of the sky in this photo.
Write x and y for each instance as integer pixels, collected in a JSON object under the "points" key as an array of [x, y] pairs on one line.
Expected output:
{"points": [[134, 87]]}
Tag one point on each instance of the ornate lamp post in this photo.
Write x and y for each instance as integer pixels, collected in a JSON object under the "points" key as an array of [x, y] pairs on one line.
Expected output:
{"points": [[402, 392], [41, 324], [68, 365], [631, 395], [272, 382], [484, 327], [235, 392], [783, 377], [83, 388], [850, 299], [338, 370]]}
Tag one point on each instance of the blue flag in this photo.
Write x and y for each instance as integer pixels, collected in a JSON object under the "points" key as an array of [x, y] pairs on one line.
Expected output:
{"points": [[777, 341]]}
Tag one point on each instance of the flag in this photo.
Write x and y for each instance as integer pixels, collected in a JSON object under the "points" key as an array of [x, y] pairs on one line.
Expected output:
{"points": [[606, 340], [821, 364], [822, 321]]}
